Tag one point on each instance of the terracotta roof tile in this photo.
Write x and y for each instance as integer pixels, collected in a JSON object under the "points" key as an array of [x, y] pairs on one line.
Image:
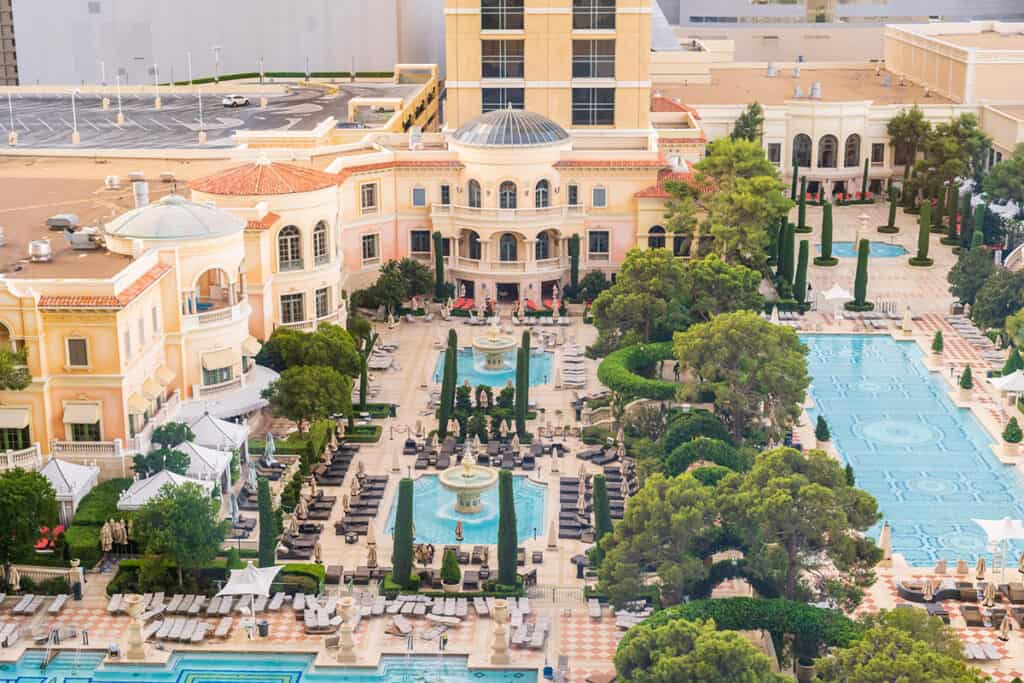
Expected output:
{"points": [[345, 173], [264, 223], [665, 105], [127, 295], [612, 163], [264, 178]]}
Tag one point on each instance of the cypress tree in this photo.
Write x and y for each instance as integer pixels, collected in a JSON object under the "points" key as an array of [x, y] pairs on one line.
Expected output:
{"points": [[909, 198], [924, 225], [796, 174], [602, 515], [574, 263], [787, 253], [977, 239], [268, 529], [864, 183], [438, 265], [800, 287], [939, 218], [826, 258], [523, 384], [1013, 362], [966, 221], [978, 236], [801, 219], [508, 540], [860, 281], [890, 225], [952, 206], [449, 376], [401, 554]]}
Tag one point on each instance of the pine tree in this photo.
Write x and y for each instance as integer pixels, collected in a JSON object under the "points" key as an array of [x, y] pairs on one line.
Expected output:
{"points": [[821, 431], [267, 538], [826, 258], [890, 226], [523, 385], [1013, 363], [401, 554], [508, 538], [800, 286], [801, 215], [923, 239], [967, 378], [602, 515]]}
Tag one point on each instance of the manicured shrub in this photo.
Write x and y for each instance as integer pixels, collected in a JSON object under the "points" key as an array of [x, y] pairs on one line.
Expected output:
{"points": [[787, 265], [100, 504], [401, 555], [705, 449], [923, 238], [1012, 432], [860, 281], [821, 432], [522, 384], [508, 538], [890, 225], [619, 371], [439, 288], [938, 343], [800, 285], [826, 258], [451, 574], [796, 176], [967, 378], [1013, 363], [602, 515], [449, 377], [952, 237], [689, 426], [574, 262], [234, 559], [801, 224], [83, 543], [864, 181]]}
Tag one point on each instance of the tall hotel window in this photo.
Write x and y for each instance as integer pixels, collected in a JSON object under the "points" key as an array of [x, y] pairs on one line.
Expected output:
{"points": [[501, 15], [593, 106], [502, 98], [593, 59], [501, 59], [593, 14]]}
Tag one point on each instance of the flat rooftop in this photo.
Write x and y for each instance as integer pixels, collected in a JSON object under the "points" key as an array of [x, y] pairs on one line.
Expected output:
{"points": [[985, 40], [743, 86], [33, 189]]}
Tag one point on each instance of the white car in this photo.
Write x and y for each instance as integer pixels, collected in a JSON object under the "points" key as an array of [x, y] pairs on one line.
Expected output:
{"points": [[235, 101]]}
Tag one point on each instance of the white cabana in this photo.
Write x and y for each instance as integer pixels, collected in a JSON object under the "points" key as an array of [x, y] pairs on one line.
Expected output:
{"points": [[250, 581], [999, 531], [837, 293], [144, 490], [71, 482], [213, 432], [207, 463], [1013, 383]]}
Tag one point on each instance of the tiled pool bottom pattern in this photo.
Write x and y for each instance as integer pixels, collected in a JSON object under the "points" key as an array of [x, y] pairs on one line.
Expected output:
{"points": [[234, 668], [927, 462]]}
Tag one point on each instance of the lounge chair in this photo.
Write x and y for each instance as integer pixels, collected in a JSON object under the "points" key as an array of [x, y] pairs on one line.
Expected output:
{"points": [[113, 607], [58, 604], [224, 627], [972, 615], [214, 607], [276, 602]]}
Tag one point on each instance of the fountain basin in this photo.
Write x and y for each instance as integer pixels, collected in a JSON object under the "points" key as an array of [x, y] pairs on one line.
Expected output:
{"points": [[467, 481], [494, 347]]}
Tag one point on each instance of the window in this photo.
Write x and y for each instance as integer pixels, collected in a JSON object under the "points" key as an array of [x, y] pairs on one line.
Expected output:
{"points": [[593, 15], [573, 195], [289, 249], [320, 252], [593, 106], [419, 241], [126, 342], [322, 302], [593, 59], [502, 98], [802, 150], [419, 197], [293, 308], [501, 15], [508, 248], [12, 439], [542, 249], [368, 197], [656, 237], [597, 244], [775, 152], [507, 195], [473, 245], [877, 153], [369, 247], [217, 375], [78, 353], [446, 195], [599, 197], [85, 432], [474, 194], [156, 320], [541, 194], [851, 152], [827, 150], [501, 59]]}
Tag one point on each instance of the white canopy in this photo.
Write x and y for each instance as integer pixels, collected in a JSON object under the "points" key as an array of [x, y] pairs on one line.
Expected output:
{"points": [[204, 463], [999, 530], [70, 481], [1013, 382], [144, 490], [234, 402], [213, 432], [837, 293], [251, 580]]}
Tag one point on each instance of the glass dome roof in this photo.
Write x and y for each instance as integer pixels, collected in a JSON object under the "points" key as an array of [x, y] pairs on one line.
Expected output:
{"points": [[510, 128], [175, 218]]}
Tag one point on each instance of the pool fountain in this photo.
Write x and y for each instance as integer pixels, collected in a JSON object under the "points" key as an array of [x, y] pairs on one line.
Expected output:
{"points": [[467, 481], [493, 347]]}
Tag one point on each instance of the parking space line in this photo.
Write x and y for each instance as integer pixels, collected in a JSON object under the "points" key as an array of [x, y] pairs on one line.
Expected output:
{"points": [[159, 124], [139, 125], [65, 123], [23, 125], [95, 127], [45, 124], [180, 123]]}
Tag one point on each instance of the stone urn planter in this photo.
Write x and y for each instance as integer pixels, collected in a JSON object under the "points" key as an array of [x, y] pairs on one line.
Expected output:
{"points": [[1011, 450], [451, 587], [965, 393], [805, 670]]}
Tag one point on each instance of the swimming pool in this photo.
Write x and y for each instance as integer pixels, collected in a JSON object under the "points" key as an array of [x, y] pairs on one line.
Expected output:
{"points": [[927, 462], [471, 368], [878, 250], [435, 516], [253, 668]]}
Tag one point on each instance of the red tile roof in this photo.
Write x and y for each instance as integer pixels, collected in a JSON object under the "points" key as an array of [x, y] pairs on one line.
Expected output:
{"points": [[659, 191], [264, 178], [126, 296], [666, 105], [612, 163], [264, 223], [345, 173]]}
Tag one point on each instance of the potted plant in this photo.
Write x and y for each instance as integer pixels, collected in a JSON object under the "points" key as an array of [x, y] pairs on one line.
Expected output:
{"points": [[821, 433], [451, 574], [966, 384], [937, 343], [1012, 437]]}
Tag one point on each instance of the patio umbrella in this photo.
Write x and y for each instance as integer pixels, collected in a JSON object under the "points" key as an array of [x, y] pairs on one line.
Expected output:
{"points": [[250, 472], [961, 567], [371, 536], [293, 526], [1014, 382], [344, 502], [553, 535], [334, 439], [515, 443], [774, 320], [433, 441], [419, 429], [312, 487], [396, 466], [554, 311], [130, 533], [624, 487], [583, 471], [318, 553], [354, 488], [476, 442], [621, 451], [999, 531], [455, 428], [14, 579], [503, 430], [371, 558], [558, 378], [1004, 628], [458, 531], [250, 581], [620, 436], [990, 594], [107, 539], [885, 542], [979, 569], [940, 568], [269, 449], [908, 322], [234, 508], [361, 467], [929, 590], [837, 293], [302, 508], [581, 506]]}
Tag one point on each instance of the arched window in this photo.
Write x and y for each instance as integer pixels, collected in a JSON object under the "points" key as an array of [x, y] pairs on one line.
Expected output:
{"points": [[543, 247], [828, 148], [507, 195], [656, 237], [289, 248], [473, 245], [541, 196], [802, 150], [508, 248], [851, 156], [474, 194], [320, 251]]}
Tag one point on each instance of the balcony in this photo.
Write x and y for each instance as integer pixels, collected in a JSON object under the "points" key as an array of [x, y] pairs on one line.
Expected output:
{"points": [[310, 325], [488, 217], [479, 266], [29, 459], [217, 316]]}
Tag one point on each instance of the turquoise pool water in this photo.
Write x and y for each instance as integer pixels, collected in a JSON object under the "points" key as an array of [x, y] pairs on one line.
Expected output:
{"points": [[253, 668], [469, 368], [878, 250], [435, 516], [927, 462]]}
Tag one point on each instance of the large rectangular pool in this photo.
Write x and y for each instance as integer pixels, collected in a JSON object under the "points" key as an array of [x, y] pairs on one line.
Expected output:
{"points": [[928, 463]]}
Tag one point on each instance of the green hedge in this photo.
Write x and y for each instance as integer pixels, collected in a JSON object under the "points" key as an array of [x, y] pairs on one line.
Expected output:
{"points": [[84, 544], [100, 504], [619, 371], [292, 445], [364, 434]]}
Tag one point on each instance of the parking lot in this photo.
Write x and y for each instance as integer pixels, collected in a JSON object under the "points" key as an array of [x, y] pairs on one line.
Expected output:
{"points": [[46, 121]]}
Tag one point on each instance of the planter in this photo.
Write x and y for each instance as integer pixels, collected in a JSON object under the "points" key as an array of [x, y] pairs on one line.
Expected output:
{"points": [[934, 361], [1011, 450], [821, 445], [451, 587], [965, 394], [805, 670]]}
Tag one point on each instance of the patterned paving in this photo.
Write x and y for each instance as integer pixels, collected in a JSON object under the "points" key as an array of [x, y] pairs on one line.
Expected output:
{"points": [[588, 643]]}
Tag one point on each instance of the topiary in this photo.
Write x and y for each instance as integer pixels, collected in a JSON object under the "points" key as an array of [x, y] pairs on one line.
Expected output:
{"points": [[234, 560], [967, 379], [821, 432], [1012, 432], [937, 342], [704, 449], [689, 426], [451, 573]]}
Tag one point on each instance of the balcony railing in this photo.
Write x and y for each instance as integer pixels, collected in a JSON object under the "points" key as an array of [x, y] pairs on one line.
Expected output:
{"points": [[92, 449], [505, 215], [26, 458], [202, 391], [217, 315], [464, 263]]}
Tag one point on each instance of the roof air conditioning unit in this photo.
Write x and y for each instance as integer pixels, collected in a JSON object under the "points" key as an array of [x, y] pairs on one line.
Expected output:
{"points": [[40, 251], [798, 93], [816, 90], [772, 70]]}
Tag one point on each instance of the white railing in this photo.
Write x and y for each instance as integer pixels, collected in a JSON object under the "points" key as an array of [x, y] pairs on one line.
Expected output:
{"points": [[218, 315], [1015, 259], [30, 458], [504, 215], [39, 574], [140, 443], [464, 263], [91, 449], [201, 391]]}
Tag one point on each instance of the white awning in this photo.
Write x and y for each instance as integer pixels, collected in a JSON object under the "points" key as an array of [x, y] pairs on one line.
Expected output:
{"points": [[251, 346], [82, 413], [164, 375], [151, 388], [136, 404], [216, 360], [14, 418]]}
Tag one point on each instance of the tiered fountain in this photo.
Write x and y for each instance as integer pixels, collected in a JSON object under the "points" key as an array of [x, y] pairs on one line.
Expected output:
{"points": [[468, 481], [494, 347]]}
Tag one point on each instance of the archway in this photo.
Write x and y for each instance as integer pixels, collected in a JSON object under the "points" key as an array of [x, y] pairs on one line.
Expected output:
{"points": [[802, 150], [828, 148]]}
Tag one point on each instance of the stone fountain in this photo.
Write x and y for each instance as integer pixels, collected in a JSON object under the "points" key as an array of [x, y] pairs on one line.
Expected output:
{"points": [[468, 481], [493, 347]]}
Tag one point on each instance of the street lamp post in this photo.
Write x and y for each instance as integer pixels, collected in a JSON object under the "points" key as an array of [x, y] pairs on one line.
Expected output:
{"points": [[120, 112], [75, 137], [202, 128], [103, 73], [12, 136], [307, 67], [189, 53], [216, 63], [157, 104]]}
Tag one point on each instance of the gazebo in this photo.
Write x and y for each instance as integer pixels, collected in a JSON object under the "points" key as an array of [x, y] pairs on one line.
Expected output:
{"points": [[213, 432], [144, 490], [207, 463], [71, 482]]}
